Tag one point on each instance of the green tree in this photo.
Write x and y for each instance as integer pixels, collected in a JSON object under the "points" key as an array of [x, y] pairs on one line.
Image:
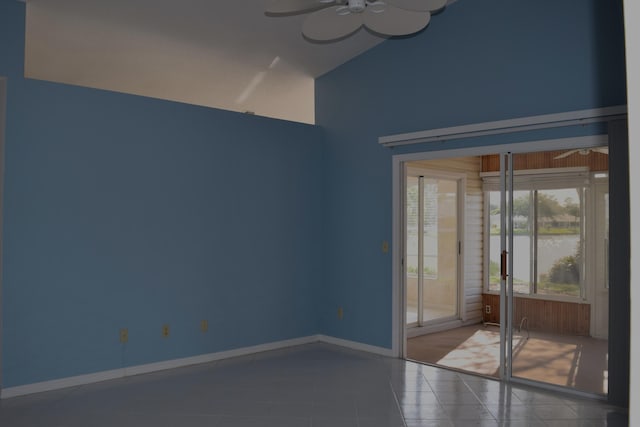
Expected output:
{"points": [[521, 206], [565, 270], [548, 206], [571, 208]]}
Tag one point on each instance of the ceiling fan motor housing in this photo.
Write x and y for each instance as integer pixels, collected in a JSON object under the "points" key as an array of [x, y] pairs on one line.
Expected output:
{"points": [[357, 6]]}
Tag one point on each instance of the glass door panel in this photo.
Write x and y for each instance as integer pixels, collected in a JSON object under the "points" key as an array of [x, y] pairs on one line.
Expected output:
{"points": [[555, 295], [412, 209], [444, 212], [432, 248], [440, 254]]}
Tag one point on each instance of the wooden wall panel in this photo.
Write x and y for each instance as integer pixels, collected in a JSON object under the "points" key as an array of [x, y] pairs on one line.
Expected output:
{"points": [[470, 166], [565, 318], [546, 159]]}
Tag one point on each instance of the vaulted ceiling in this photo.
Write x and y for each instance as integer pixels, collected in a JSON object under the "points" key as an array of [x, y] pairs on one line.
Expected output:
{"points": [[216, 53]]}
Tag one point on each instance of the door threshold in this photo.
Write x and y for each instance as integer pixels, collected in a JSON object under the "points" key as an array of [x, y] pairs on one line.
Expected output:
{"points": [[457, 370]]}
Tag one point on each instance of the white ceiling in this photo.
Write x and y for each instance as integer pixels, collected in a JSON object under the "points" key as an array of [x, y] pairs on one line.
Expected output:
{"points": [[223, 54]]}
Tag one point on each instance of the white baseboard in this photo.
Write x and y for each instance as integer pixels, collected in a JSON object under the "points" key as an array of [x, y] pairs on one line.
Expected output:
{"points": [[147, 368], [182, 362], [212, 357], [356, 345], [61, 383]]}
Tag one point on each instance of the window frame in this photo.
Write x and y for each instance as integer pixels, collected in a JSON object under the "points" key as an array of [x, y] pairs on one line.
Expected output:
{"points": [[573, 175]]}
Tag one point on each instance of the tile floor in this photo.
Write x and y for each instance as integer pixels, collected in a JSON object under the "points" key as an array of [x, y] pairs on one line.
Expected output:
{"points": [[313, 385]]}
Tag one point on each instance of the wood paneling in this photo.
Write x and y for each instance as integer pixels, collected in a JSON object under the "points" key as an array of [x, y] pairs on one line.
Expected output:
{"points": [[559, 317], [470, 166], [547, 159]]}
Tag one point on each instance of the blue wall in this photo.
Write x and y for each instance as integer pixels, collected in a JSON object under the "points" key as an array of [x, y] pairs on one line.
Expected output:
{"points": [[123, 211], [477, 61]]}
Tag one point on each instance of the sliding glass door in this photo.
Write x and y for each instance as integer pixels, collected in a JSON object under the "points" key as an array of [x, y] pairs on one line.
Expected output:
{"points": [[433, 248], [506, 265], [553, 237]]}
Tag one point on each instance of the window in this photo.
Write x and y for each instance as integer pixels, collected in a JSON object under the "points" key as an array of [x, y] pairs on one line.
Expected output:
{"points": [[549, 217]]}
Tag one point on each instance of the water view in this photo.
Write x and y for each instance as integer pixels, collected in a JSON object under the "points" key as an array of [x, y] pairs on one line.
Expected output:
{"points": [[551, 249]]}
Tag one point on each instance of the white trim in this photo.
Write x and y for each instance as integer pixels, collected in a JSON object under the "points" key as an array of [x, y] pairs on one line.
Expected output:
{"points": [[212, 357], [589, 141], [398, 293], [632, 47], [460, 179], [113, 374], [545, 121], [61, 383], [382, 351], [151, 367]]}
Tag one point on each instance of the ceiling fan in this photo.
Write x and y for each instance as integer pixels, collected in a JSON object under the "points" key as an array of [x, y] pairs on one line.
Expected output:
{"points": [[583, 152], [331, 20]]}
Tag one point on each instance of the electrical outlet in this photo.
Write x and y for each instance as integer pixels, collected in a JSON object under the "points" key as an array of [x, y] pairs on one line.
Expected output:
{"points": [[165, 331], [204, 325], [124, 335], [340, 313], [487, 309], [385, 247]]}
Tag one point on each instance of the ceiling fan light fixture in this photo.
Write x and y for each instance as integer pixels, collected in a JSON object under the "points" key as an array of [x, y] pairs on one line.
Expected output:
{"points": [[357, 6], [376, 6]]}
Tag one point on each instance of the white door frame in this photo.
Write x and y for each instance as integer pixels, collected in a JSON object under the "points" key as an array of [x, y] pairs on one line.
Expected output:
{"points": [[461, 188], [398, 245]]}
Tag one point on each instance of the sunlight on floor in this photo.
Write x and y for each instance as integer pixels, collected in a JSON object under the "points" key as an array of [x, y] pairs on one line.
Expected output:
{"points": [[547, 361], [480, 353], [559, 360]]}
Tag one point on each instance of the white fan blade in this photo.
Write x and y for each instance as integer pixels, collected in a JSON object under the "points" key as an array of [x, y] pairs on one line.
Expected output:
{"points": [[601, 150], [419, 5], [396, 22], [566, 154], [295, 7], [328, 25]]}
